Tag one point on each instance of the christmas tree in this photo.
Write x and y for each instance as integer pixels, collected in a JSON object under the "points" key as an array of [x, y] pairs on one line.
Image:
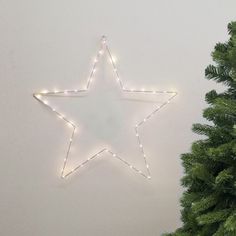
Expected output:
{"points": [[209, 201]]}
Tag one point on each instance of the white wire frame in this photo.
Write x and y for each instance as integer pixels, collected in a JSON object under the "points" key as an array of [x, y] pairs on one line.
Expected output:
{"points": [[39, 97]]}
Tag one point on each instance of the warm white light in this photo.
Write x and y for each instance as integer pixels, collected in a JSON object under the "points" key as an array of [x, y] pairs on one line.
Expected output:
{"points": [[114, 59], [70, 124]]}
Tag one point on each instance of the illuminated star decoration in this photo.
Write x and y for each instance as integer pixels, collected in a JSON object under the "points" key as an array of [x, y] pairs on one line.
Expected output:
{"points": [[40, 97]]}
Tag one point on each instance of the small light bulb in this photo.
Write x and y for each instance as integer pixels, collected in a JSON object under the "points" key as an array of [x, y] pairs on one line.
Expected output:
{"points": [[38, 96], [100, 52], [113, 58], [140, 145], [149, 177], [114, 155]]}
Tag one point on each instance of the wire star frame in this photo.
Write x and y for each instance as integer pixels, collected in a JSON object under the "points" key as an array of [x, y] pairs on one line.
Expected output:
{"points": [[39, 97]]}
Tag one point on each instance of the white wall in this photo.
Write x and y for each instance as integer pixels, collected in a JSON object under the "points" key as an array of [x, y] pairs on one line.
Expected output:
{"points": [[48, 44]]}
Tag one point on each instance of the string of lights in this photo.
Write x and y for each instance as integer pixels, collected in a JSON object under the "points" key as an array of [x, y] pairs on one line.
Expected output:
{"points": [[40, 96]]}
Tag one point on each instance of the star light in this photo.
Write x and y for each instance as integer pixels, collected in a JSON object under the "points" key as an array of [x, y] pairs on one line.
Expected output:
{"points": [[102, 50]]}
